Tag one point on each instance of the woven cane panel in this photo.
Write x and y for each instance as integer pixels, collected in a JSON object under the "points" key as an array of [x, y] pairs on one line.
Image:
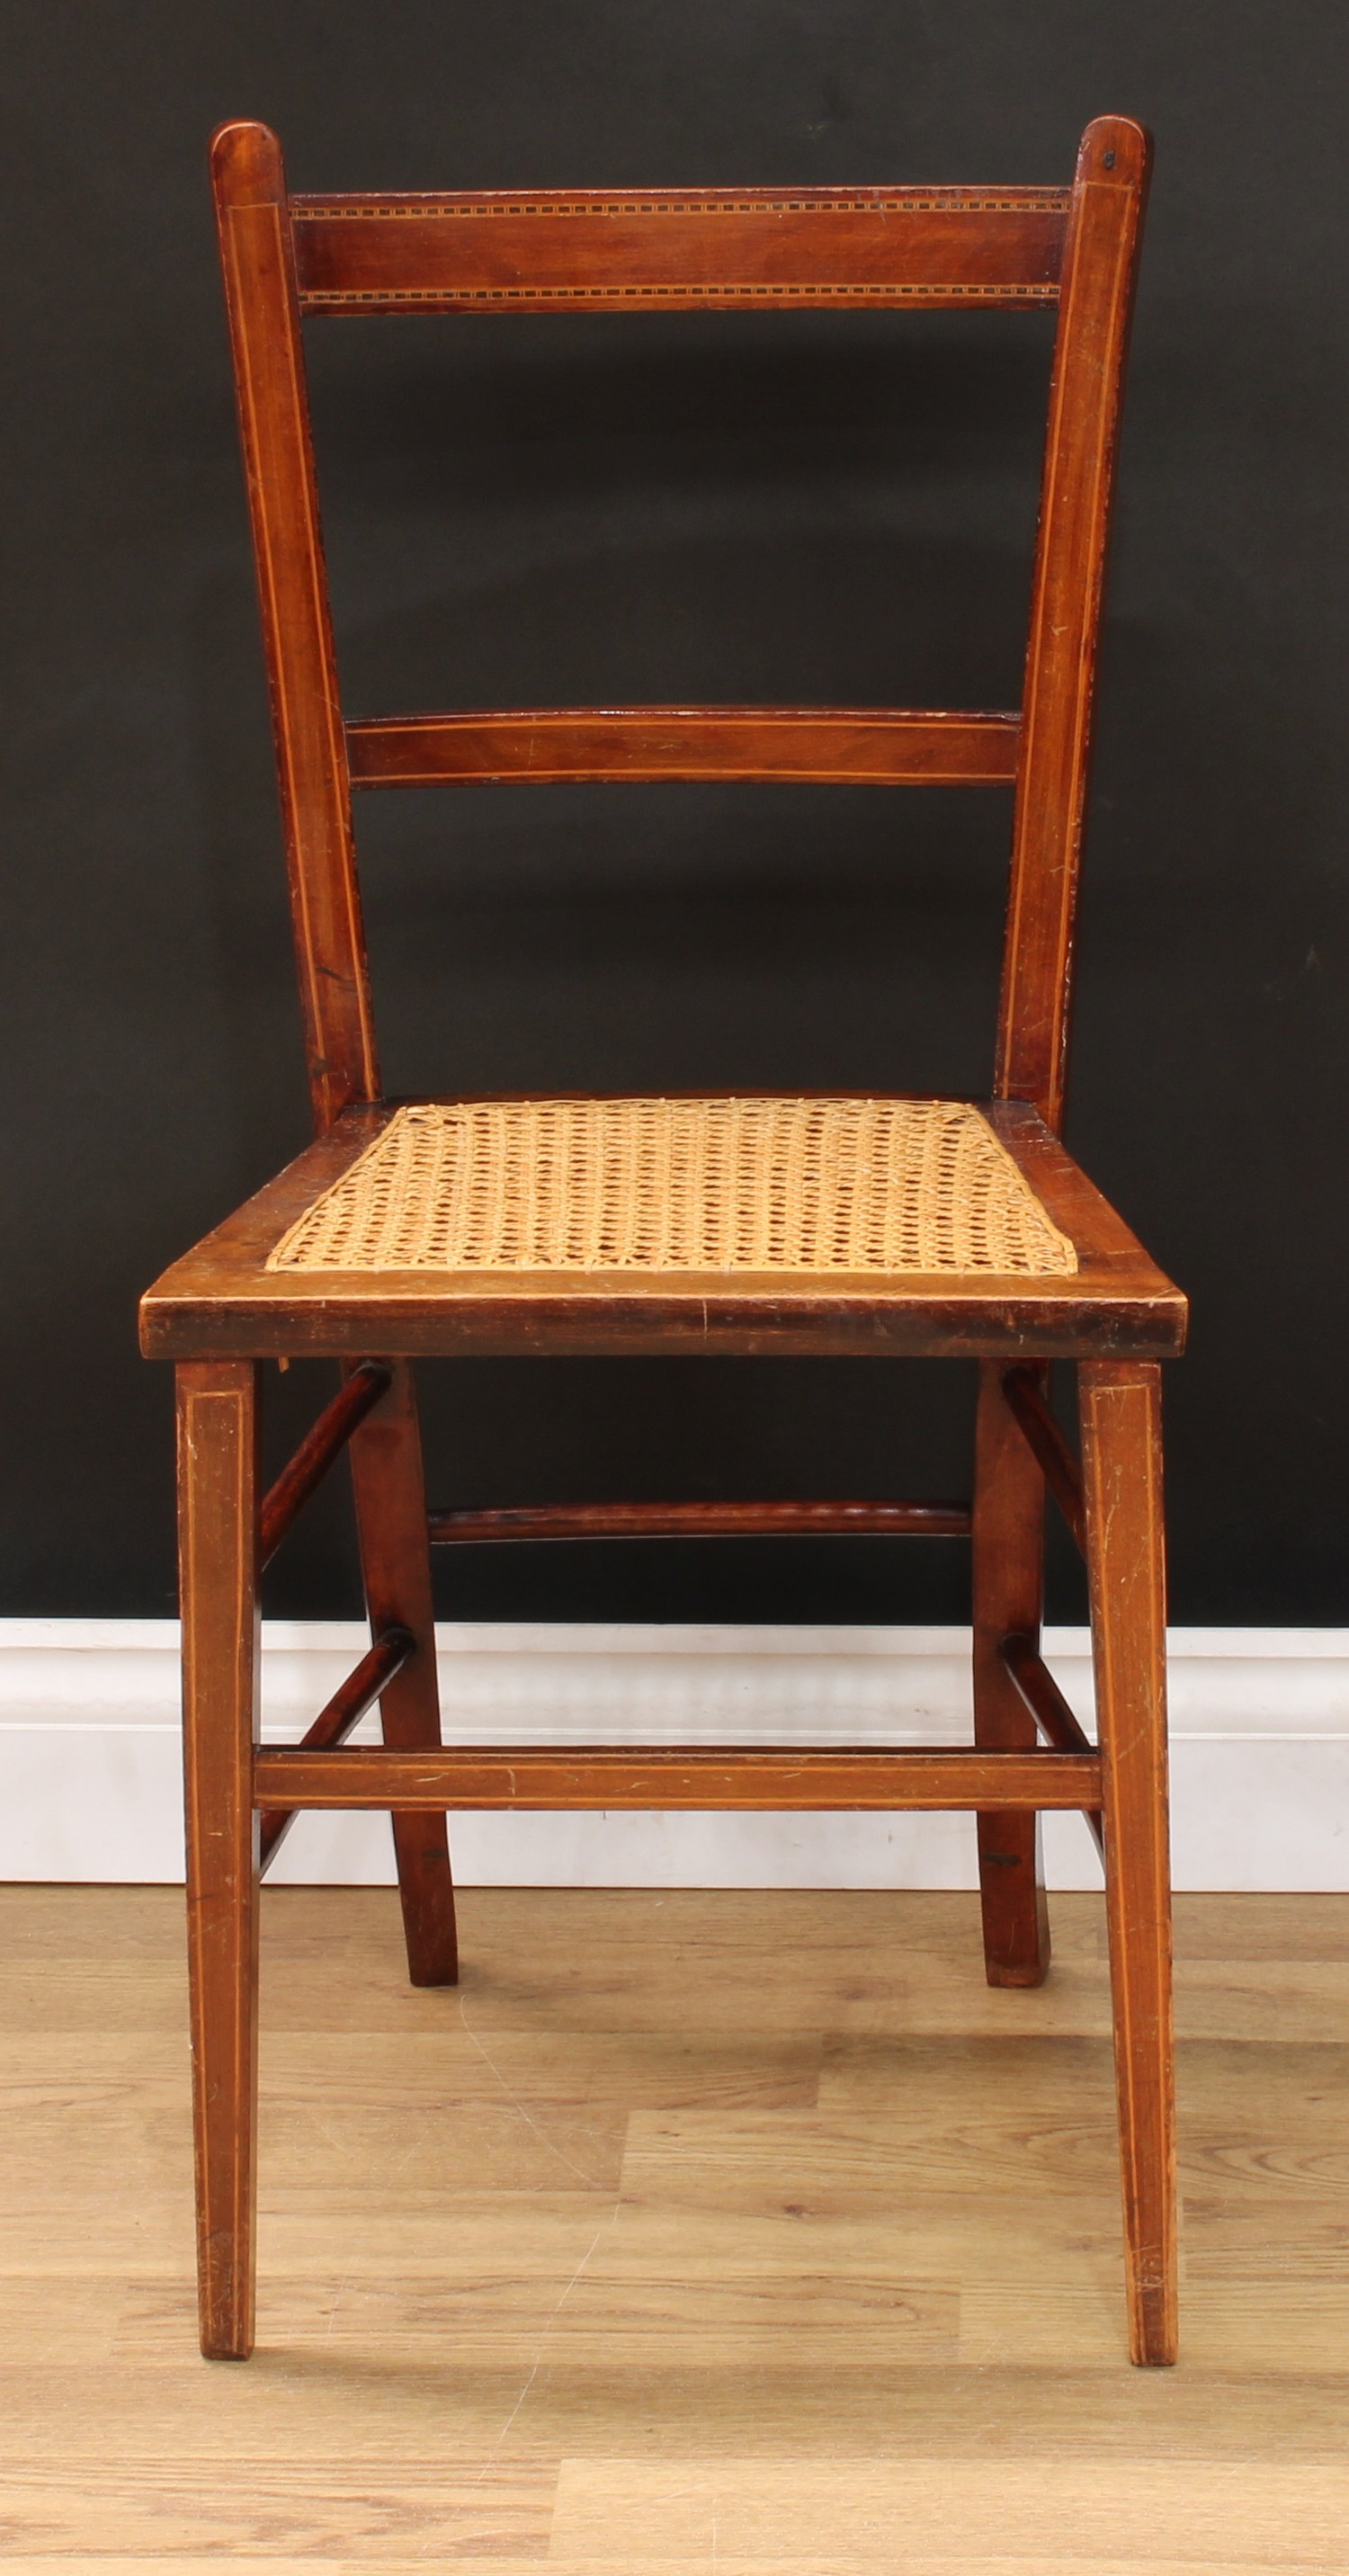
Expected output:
{"points": [[694, 1185]]}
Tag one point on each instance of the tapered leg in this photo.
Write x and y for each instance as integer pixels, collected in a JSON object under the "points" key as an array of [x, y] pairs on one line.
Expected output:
{"points": [[386, 1468], [1009, 1519], [217, 1491], [1122, 1477]]}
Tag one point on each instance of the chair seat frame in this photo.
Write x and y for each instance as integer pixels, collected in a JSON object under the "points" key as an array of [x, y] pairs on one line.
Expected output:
{"points": [[220, 1314]]}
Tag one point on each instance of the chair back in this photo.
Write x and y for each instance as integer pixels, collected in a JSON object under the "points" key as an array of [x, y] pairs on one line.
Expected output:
{"points": [[840, 250]]}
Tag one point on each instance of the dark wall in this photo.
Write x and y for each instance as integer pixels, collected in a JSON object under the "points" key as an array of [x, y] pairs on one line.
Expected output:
{"points": [[752, 508]]}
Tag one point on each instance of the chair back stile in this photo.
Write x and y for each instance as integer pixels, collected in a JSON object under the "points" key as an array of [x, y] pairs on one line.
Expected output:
{"points": [[1091, 348], [687, 250], [258, 258]]}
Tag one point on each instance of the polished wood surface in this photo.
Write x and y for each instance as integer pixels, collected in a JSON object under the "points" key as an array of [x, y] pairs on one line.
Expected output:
{"points": [[1053, 1717], [339, 1719], [221, 1310], [534, 1521], [1025, 1397], [258, 263], [841, 744], [1050, 1710], [322, 1445], [1007, 1585], [1122, 1464], [217, 1516], [1100, 267], [698, 2234], [222, 1295], [390, 1491], [607, 249], [692, 1776]]}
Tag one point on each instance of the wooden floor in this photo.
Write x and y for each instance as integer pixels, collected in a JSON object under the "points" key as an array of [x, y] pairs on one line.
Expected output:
{"points": [[733, 2233]]}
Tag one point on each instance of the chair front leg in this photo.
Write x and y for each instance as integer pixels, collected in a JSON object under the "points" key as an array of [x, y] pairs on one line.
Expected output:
{"points": [[386, 1470], [1122, 1477], [1008, 1573], [218, 1505]]}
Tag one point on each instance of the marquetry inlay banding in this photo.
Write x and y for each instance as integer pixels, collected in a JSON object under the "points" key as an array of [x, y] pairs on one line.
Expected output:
{"points": [[316, 299], [937, 201]]}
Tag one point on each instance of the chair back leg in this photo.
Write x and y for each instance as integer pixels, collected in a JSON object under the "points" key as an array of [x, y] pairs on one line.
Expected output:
{"points": [[1008, 1580], [386, 1469], [218, 1506], [1122, 1478]]}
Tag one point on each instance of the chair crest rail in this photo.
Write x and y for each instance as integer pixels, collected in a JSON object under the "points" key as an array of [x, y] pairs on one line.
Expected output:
{"points": [[615, 250]]}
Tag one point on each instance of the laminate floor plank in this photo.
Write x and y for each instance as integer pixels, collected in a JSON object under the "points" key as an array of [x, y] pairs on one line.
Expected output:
{"points": [[883, 2513], [447, 2146], [698, 2234], [581, 2068], [642, 2564], [299, 2507], [1282, 1929]]}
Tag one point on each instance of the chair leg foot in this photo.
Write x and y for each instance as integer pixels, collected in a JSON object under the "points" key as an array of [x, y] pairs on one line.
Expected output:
{"points": [[426, 1893], [386, 1468], [1015, 1908], [217, 1418], [1122, 1476], [1008, 1565]]}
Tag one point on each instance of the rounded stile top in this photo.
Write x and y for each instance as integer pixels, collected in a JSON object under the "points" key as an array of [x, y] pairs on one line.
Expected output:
{"points": [[246, 163], [1114, 151]]}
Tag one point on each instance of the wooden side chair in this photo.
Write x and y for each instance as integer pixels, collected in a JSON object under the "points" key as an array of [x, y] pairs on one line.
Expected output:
{"points": [[936, 1228]]}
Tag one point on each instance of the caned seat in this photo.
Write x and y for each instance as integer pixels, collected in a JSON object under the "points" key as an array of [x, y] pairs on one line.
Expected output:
{"points": [[875, 1187], [813, 1225], [886, 1226]]}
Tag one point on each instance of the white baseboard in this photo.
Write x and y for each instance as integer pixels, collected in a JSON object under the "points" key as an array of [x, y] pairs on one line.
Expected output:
{"points": [[90, 1779]]}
